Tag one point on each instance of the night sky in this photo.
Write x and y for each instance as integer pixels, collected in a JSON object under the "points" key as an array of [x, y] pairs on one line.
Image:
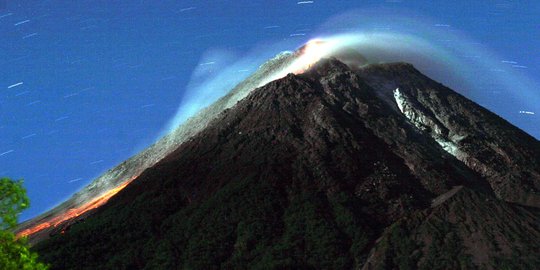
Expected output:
{"points": [[84, 85]]}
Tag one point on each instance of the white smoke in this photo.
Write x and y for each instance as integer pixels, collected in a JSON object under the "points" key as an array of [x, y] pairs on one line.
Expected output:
{"points": [[441, 53]]}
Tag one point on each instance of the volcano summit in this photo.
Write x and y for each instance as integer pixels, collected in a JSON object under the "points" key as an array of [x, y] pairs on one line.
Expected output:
{"points": [[338, 167]]}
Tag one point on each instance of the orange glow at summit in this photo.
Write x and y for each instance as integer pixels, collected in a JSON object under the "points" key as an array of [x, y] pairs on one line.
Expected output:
{"points": [[310, 54]]}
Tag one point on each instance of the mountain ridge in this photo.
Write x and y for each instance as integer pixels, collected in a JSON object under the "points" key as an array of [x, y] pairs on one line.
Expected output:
{"points": [[315, 171], [82, 203]]}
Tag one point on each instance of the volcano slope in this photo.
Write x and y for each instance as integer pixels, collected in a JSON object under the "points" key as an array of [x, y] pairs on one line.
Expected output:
{"points": [[372, 168]]}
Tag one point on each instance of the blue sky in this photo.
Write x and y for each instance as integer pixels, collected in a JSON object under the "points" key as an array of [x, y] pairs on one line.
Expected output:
{"points": [[86, 84]]}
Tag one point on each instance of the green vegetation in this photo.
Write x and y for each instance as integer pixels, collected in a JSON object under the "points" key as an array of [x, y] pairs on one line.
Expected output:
{"points": [[423, 241], [247, 224], [14, 253], [401, 251], [446, 250]]}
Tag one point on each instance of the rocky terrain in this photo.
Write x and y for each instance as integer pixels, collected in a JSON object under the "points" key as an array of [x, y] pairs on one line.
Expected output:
{"points": [[376, 167]]}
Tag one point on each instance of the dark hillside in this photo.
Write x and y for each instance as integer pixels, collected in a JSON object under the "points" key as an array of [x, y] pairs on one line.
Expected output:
{"points": [[322, 171]]}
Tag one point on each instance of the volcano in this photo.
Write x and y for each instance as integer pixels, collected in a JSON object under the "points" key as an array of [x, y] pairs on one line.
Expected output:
{"points": [[338, 167]]}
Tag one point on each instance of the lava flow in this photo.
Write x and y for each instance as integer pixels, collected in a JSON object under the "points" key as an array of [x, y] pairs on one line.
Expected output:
{"points": [[75, 212]]}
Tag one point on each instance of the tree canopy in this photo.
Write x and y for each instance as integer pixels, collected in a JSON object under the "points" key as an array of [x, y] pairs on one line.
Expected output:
{"points": [[14, 252]]}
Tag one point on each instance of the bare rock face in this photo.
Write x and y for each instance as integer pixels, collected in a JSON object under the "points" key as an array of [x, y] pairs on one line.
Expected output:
{"points": [[335, 168], [508, 158]]}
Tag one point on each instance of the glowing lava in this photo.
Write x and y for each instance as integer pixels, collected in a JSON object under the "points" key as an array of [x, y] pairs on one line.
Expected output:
{"points": [[309, 54], [75, 212]]}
